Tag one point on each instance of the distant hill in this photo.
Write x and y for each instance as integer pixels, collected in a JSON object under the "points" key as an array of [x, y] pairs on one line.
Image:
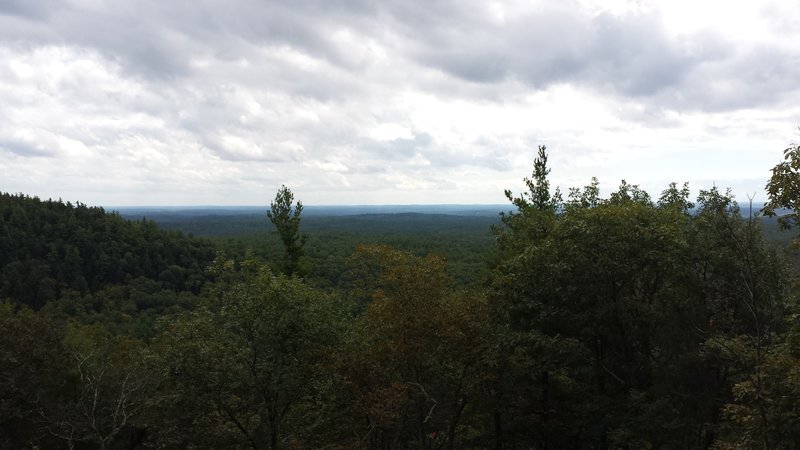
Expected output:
{"points": [[50, 248]]}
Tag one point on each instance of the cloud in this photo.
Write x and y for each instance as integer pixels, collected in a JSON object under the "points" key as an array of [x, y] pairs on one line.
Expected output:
{"points": [[346, 97], [30, 10], [628, 55], [760, 75], [29, 148], [312, 48]]}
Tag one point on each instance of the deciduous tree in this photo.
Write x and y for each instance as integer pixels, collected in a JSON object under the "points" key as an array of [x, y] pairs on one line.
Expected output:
{"points": [[414, 363], [783, 189], [246, 369]]}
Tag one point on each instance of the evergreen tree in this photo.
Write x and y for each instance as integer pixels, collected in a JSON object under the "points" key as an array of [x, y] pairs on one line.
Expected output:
{"points": [[287, 224]]}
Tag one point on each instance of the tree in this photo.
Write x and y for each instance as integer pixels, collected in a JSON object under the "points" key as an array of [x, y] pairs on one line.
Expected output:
{"points": [[246, 369], [413, 364], [621, 314], [287, 223], [609, 284], [535, 215], [538, 196], [763, 413], [33, 362], [672, 197], [783, 188], [112, 385]]}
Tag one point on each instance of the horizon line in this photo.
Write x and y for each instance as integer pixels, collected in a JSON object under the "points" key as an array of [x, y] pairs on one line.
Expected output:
{"points": [[313, 205]]}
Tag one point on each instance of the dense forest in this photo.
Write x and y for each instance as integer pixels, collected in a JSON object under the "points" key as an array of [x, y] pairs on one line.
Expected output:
{"points": [[462, 237], [571, 321]]}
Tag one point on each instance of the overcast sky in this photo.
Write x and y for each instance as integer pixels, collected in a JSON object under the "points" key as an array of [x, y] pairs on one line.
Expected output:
{"points": [[157, 102]]}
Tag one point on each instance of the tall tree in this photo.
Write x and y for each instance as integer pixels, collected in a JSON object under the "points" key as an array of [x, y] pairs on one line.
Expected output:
{"points": [[536, 211], [538, 196], [286, 219]]}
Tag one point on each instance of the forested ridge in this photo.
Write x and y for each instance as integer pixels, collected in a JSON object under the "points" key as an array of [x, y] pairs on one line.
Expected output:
{"points": [[625, 321]]}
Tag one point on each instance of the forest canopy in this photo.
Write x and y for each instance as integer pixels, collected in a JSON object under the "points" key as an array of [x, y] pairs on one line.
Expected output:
{"points": [[598, 322]]}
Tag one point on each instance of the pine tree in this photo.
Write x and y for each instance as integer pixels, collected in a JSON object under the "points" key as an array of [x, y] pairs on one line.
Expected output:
{"points": [[287, 223]]}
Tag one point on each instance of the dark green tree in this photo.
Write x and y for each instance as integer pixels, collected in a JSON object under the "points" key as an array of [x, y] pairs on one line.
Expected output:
{"points": [[247, 368], [535, 215], [286, 219], [33, 362], [50, 250], [111, 383], [538, 196], [625, 322]]}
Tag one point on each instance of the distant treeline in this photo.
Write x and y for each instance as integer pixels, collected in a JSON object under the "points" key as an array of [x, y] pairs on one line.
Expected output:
{"points": [[463, 240]]}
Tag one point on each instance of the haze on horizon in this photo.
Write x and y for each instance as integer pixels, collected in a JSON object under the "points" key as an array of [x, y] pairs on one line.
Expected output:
{"points": [[356, 102]]}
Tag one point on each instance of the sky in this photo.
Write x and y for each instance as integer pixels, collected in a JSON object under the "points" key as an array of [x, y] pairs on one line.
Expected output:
{"points": [[154, 102]]}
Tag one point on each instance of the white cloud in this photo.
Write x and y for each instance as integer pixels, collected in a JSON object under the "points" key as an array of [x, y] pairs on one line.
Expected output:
{"points": [[388, 102], [390, 132]]}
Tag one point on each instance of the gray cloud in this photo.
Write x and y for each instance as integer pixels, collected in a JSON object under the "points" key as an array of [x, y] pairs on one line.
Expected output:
{"points": [[207, 93], [31, 10], [756, 76], [27, 148], [628, 55]]}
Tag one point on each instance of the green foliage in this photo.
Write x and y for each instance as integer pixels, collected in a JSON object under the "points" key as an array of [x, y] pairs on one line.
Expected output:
{"points": [[639, 292], [32, 363], [462, 239], [618, 322], [287, 223], [628, 193], [763, 412], [249, 366], [111, 385], [538, 195], [612, 278], [588, 197], [672, 197], [536, 210], [49, 250], [412, 366], [83, 386], [783, 188]]}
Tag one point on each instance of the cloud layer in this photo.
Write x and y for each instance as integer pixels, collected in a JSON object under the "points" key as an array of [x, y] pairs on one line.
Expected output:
{"points": [[354, 102]]}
